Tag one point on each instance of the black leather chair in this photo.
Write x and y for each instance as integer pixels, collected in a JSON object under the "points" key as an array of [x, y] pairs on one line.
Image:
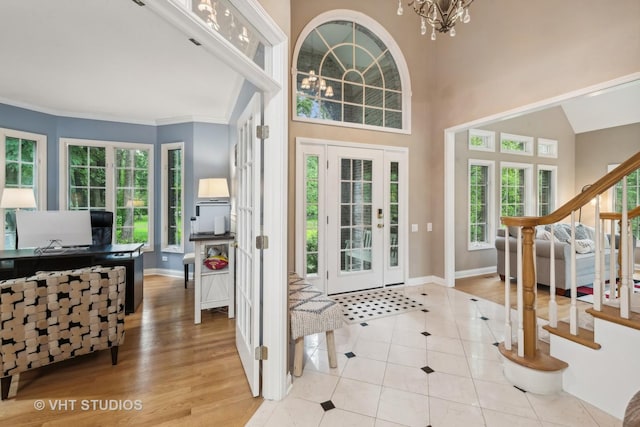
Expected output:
{"points": [[101, 227]]}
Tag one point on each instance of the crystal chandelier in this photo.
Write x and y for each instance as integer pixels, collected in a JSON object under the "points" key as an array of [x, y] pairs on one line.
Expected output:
{"points": [[442, 15]]}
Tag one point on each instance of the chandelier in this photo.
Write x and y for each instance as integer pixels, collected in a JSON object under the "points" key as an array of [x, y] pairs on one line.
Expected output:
{"points": [[233, 32], [316, 85], [442, 15]]}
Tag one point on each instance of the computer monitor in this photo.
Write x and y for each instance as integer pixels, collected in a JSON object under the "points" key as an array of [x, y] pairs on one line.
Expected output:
{"points": [[41, 229]]}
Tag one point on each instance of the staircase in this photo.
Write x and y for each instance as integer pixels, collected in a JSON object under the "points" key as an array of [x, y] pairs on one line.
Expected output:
{"points": [[598, 365]]}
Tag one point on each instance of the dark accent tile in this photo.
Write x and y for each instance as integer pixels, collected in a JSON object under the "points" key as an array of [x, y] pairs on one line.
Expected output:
{"points": [[521, 389], [425, 310], [427, 369], [350, 355], [474, 299], [328, 405], [425, 333], [484, 318], [364, 324], [423, 294], [496, 344]]}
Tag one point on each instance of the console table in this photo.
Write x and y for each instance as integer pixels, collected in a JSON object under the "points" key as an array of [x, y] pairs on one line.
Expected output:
{"points": [[25, 262], [213, 288]]}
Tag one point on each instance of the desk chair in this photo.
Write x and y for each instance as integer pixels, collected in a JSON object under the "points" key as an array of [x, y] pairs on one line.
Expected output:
{"points": [[101, 227]]}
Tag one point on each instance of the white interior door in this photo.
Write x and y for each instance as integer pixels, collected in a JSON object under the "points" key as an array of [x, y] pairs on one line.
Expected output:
{"points": [[355, 219], [248, 268]]}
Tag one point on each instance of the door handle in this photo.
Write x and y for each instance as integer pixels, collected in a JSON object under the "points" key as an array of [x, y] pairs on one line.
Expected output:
{"points": [[380, 225]]}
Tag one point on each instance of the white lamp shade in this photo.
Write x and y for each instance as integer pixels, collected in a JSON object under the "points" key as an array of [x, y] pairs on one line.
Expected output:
{"points": [[18, 198], [212, 188]]}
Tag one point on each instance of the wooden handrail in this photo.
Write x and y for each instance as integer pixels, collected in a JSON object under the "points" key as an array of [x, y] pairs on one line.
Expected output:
{"points": [[633, 213], [598, 187]]}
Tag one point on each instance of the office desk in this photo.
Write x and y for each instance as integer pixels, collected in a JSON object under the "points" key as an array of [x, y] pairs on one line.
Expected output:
{"points": [[26, 262]]}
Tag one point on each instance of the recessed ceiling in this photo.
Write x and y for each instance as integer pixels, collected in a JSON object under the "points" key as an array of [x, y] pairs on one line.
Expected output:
{"points": [[111, 60]]}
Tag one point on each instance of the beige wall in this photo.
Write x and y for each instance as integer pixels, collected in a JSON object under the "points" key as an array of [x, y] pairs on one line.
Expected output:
{"points": [[280, 11], [517, 52], [512, 53], [551, 124], [418, 53]]}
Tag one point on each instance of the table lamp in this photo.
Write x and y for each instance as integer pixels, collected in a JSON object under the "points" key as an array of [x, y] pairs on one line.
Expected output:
{"points": [[17, 198], [214, 189]]}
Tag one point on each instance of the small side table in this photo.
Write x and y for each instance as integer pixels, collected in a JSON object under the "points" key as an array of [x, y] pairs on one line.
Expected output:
{"points": [[213, 288]]}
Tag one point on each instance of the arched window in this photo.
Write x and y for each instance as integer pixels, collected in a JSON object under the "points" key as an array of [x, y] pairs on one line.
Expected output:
{"points": [[351, 72]]}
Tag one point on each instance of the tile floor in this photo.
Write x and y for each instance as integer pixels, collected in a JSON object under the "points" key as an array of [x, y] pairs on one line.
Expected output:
{"points": [[438, 367]]}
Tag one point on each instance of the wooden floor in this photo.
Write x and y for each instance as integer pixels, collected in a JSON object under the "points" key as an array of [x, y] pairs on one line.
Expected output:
{"points": [[181, 373], [491, 288]]}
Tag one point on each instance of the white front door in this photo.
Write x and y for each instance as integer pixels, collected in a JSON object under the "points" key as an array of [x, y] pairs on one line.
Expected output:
{"points": [[355, 225], [248, 268]]}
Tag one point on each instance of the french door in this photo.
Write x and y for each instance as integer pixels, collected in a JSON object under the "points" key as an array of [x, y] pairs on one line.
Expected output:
{"points": [[248, 258], [350, 215]]}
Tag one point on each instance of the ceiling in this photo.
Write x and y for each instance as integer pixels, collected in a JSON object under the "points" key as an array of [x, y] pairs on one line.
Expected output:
{"points": [[115, 60], [110, 60]]}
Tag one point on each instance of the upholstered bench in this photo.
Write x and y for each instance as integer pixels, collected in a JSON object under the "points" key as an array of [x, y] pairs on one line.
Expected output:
{"points": [[54, 316], [311, 312]]}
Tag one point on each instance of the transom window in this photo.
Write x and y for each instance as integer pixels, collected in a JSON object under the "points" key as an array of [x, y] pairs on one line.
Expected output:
{"points": [[347, 74]]}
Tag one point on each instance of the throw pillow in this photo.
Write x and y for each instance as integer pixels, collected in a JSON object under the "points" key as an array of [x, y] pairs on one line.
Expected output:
{"points": [[560, 232], [582, 233], [584, 246]]}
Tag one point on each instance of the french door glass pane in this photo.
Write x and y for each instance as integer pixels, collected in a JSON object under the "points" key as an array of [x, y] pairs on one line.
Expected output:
{"points": [[311, 208], [394, 205], [355, 214]]}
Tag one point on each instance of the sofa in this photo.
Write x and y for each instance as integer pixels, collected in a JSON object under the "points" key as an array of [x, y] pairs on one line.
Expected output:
{"points": [[55, 316], [585, 255]]}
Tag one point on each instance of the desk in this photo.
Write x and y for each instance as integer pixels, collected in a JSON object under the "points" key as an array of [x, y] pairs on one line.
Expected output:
{"points": [[213, 288], [25, 262]]}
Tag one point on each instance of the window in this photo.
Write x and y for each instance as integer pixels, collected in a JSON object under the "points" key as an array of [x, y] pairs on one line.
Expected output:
{"points": [[633, 199], [394, 209], [24, 159], [350, 72], [311, 209], [547, 148], [547, 183], [516, 144], [111, 176], [480, 204], [172, 197], [481, 140], [515, 189]]}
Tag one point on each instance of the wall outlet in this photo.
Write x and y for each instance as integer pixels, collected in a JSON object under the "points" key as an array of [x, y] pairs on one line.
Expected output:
{"points": [[414, 228], [165, 258], [429, 226]]}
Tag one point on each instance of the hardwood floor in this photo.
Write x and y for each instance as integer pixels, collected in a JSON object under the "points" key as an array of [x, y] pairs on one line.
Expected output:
{"points": [[181, 373], [491, 288]]}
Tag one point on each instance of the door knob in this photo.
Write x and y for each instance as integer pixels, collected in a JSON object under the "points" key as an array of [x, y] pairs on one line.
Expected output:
{"points": [[380, 225]]}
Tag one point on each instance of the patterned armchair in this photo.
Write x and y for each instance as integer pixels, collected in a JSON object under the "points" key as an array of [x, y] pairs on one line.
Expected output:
{"points": [[55, 316]]}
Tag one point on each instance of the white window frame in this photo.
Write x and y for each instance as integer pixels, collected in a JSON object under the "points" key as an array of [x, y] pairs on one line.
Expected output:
{"points": [[490, 202], [529, 188], [390, 43], [164, 198], [554, 186], [526, 140], [488, 136], [547, 148], [110, 196], [41, 160]]}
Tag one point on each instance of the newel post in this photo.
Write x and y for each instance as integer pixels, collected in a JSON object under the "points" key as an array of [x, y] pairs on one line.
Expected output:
{"points": [[529, 294]]}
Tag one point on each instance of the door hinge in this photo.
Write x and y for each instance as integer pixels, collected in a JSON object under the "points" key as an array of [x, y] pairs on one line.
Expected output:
{"points": [[262, 352], [327, 274], [262, 131], [262, 242]]}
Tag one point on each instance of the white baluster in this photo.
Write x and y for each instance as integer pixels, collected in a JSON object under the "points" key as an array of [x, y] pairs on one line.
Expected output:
{"points": [[597, 284], [613, 270], [520, 292], [507, 292], [573, 310], [624, 262], [553, 304]]}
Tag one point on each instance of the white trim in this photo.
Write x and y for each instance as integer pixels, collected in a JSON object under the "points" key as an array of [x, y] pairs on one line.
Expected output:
{"points": [[449, 157], [164, 200], [527, 141], [490, 203], [491, 140], [382, 33], [423, 280], [550, 143], [461, 274]]}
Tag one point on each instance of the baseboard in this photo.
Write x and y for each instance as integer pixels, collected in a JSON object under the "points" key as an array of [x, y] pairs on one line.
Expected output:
{"points": [[476, 272], [165, 272], [416, 281]]}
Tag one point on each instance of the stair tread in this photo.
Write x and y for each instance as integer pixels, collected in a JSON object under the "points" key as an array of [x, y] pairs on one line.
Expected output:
{"points": [[612, 314], [585, 336], [542, 361]]}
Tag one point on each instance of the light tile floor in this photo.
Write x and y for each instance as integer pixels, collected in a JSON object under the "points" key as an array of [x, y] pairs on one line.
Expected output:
{"points": [[438, 367]]}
